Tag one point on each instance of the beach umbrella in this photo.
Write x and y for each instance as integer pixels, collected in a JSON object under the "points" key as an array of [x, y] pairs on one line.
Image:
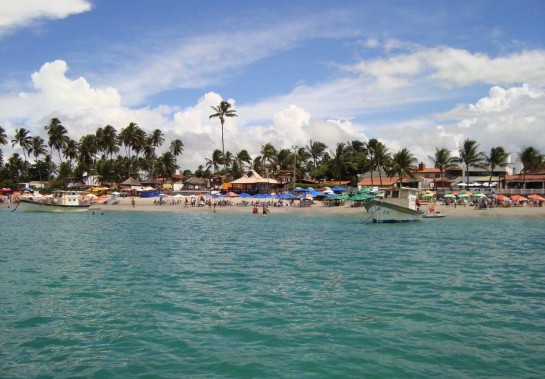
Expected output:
{"points": [[518, 198], [463, 195], [338, 189], [162, 195], [91, 196], [427, 195], [449, 195], [479, 194], [502, 197], [537, 197], [244, 194]]}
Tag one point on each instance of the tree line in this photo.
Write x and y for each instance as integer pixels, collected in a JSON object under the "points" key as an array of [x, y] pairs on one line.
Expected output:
{"points": [[113, 156]]}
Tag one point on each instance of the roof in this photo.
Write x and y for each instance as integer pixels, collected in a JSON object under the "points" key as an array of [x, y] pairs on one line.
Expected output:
{"points": [[195, 181], [521, 177], [131, 182], [253, 177], [376, 181]]}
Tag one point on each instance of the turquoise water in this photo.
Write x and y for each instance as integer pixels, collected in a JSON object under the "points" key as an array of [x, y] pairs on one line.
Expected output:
{"points": [[238, 295]]}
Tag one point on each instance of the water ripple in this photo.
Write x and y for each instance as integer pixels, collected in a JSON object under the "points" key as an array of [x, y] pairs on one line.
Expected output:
{"points": [[172, 295]]}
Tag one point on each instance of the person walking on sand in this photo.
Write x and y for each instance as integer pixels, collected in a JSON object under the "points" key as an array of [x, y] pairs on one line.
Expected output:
{"points": [[133, 202]]}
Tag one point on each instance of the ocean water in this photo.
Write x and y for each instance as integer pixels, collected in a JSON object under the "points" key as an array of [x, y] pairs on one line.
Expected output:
{"points": [[172, 295]]}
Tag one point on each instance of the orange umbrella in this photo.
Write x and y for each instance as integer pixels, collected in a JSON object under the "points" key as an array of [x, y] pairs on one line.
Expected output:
{"points": [[502, 198], [535, 196], [518, 198]]}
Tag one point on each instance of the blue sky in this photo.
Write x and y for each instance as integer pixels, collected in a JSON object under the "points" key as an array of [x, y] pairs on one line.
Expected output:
{"points": [[416, 74]]}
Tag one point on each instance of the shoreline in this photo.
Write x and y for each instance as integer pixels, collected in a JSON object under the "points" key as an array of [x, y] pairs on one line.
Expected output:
{"points": [[147, 205]]}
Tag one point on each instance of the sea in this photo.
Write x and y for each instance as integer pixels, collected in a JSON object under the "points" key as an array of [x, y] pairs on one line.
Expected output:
{"points": [[229, 295]]}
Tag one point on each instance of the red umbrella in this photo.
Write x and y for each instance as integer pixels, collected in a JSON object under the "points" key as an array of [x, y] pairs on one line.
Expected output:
{"points": [[535, 196]]}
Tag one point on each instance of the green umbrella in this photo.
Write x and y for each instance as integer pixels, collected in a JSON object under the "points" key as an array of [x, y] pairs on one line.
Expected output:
{"points": [[463, 195], [479, 194], [427, 195], [449, 195]]}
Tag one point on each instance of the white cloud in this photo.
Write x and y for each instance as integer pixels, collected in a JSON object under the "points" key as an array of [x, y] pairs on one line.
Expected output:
{"points": [[20, 13], [446, 66]]}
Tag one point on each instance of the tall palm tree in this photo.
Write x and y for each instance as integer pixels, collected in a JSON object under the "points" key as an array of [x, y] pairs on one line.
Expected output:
{"points": [[531, 158], [23, 139], [88, 151], [470, 156], [176, 148], [222, 111], [37, 148], [442, 160], [57, 134], [156, 138], [403, 164], [497, 158], [3, 141]]}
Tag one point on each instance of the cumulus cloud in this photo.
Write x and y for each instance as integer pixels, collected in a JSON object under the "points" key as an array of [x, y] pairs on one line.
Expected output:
{"points": [[21, 13], [447, 66]]}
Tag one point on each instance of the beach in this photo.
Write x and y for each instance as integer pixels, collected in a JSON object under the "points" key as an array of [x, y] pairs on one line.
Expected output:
{"points": [[147, 205]]}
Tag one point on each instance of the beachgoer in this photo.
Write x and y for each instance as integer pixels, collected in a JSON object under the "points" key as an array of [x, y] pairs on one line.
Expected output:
{"points": [[133, 202]]}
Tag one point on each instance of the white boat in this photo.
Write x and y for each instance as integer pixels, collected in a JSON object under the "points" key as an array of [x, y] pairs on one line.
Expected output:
{"points": [[61, 201], [395, 205]]}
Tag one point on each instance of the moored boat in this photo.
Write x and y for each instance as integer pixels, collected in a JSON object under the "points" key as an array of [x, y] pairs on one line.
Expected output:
{"points": [[60, 201], [395, 205]]}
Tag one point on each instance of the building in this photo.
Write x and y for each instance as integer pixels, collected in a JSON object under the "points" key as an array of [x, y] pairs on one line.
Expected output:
{"points": [[254, 184]]}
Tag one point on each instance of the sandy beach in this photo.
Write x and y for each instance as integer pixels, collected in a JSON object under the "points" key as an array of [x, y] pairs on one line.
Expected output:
{"points": [[147, 205]]}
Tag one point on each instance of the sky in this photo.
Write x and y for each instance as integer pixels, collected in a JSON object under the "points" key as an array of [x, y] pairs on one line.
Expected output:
{"points": [[413, 74]]}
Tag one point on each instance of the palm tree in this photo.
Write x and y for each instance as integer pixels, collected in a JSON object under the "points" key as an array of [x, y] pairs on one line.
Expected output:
{"points": [[338, 160], [176, 148], [23, 139], [166, 164], [221, 111], [316, 150], [241, 158], [71, 151], [403, 164], [497, 158], [107, 140], [215, 161], [37, 148], [57, 136], [3, 141], [442, 160], [88, 150], [470, 156], [531, 159], [379, 157], [268, 155]]}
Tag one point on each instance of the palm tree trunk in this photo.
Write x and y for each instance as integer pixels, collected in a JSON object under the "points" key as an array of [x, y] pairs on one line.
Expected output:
{"points": [[222, 145]]}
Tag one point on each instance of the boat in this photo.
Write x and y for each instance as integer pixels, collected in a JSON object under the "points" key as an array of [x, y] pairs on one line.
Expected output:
{"points": [[394, 205], [433, 213], [436, 214], [60, 201]]}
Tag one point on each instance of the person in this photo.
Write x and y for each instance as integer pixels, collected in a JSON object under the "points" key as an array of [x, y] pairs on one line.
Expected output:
{"points": [[255, 210], [417, 204], [133, 202], [264, 210]]}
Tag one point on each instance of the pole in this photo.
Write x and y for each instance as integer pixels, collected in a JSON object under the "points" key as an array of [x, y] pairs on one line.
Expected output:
{"points": [[294, 147]]}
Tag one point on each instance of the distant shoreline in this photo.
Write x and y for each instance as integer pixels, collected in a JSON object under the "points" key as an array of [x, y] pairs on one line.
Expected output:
{"points": [[147, 205]]}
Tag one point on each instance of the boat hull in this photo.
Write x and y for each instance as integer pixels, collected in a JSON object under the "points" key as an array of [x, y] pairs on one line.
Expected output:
{"points": [[384, 212], [37, 206]]}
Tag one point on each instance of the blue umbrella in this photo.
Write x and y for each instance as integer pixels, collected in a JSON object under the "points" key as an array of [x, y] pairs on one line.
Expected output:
{"points": [[244, 194], [338, 189]]}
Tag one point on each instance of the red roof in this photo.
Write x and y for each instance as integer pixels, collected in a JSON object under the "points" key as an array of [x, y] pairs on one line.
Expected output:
{"points": [[521, 177]]}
